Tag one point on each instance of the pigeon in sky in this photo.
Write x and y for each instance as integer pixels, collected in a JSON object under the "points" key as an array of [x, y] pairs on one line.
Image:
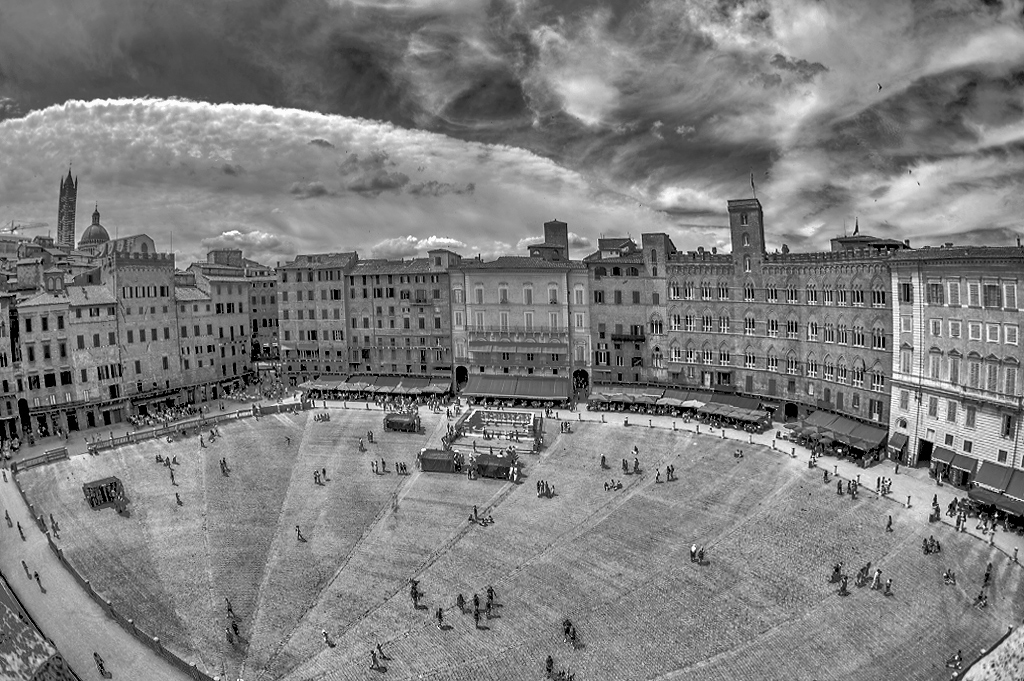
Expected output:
{"points": [[879, 87]]}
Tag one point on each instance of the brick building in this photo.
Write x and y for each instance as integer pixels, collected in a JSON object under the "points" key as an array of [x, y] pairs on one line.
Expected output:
{"points": [[312, 313], [805, 331], [229, 292], [628, 309], [956, 394], [399, 315], [197, 339]]}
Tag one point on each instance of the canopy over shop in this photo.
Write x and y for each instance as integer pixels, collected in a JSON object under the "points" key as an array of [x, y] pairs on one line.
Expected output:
{"points": [[674, 397], [999, 486], [834, 428], [533, 388]]}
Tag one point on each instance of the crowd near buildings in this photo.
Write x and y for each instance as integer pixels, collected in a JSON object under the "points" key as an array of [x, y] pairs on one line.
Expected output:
{"points": [[923, 342]]}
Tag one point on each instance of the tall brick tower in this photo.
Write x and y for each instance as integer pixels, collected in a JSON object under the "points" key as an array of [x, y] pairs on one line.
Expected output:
{"points": [[66, 212]]}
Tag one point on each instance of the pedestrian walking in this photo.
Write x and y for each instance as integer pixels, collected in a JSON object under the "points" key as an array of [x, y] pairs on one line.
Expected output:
{"points": [[323, 475], [298, 533], [888, 525], [25, 566], [1014, 554], [440, 618], [234, 628], [21, 531], [35, 575], [100, 666], [888, 587], [177, 499], [7, 517], [231, 612]]}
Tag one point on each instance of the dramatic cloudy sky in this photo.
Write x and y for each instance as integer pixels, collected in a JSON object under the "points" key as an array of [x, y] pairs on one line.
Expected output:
{"points": [[394, 126]]}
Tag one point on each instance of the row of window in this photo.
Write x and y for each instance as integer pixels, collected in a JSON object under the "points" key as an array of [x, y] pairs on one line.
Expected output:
{"points": [[616, 298], [952, 414], [837, 373], [553, 298], [600, 272], [841, 334], [976, 331], [981, 375], [994, 295], [857, 297]]}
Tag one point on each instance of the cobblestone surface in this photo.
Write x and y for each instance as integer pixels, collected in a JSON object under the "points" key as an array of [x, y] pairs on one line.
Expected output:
{"points": [[616, 563]]}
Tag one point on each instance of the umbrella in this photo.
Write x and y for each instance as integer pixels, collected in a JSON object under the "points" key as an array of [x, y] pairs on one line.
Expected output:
{"points": [[693, 404], [791, 426], [814, 436], [670, 401]]}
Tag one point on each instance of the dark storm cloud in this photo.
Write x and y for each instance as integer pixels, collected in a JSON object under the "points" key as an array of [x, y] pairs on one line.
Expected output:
{"points": [[670, 102], [309, 190], [232, 169], [376, 182], [803, 69]]}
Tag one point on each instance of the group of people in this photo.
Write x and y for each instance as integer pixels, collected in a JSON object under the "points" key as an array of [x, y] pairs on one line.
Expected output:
{"points": [[165, 416], [321, 417], [862, 579], [544, 489], [930, 545]]}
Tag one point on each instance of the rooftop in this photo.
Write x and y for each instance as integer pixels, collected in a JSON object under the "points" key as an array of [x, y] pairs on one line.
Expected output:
{"points": [[184, 294], [382, 266], [521, 262], [321, 260]]}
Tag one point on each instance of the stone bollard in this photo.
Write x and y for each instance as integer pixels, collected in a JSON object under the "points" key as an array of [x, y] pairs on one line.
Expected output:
{"points": [[698, 429], [579, 417], [773, 444], [650, 423], [835, 470], [602, 418], [673, 425], [792, 453], [750, 439]]}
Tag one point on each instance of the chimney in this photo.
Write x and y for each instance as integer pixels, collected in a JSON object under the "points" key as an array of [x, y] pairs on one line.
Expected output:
{"points": [[906, 242]]}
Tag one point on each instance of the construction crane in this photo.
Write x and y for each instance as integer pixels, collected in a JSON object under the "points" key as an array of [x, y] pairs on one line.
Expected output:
{"points": [[19, 226]]}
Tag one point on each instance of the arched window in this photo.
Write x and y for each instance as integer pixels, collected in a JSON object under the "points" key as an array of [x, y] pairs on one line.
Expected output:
{"points": [[901, 423], [632, 272], [654, 255], [746, 239], [616, 272], [746, 263]]}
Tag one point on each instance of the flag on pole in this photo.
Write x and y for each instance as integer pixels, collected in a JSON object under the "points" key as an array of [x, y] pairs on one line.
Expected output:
{"points": [[856, 225], [752, 188]]}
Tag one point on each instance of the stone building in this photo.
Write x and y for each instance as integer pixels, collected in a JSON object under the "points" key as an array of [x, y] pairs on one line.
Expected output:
{"points": [[228, 290], [523, 315], [262, 304], [802, 331], [10, 352], [628, 309], [956, 384], [399, 315], [197, 338], [312, 313], [142, 281]]}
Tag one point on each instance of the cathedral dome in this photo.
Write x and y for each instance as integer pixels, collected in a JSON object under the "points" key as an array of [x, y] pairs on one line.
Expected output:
{"points": [[95, 234]]}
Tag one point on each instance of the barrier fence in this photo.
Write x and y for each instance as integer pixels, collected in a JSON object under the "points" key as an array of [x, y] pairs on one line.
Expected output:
{"points": [[195, 426]]}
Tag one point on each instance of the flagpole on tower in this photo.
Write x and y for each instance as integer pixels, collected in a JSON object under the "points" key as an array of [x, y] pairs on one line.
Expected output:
{"points": [[753, 189]]}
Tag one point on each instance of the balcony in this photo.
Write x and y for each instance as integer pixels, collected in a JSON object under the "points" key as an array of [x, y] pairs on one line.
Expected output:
{"points": [[629, 337], [498, 328]]}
